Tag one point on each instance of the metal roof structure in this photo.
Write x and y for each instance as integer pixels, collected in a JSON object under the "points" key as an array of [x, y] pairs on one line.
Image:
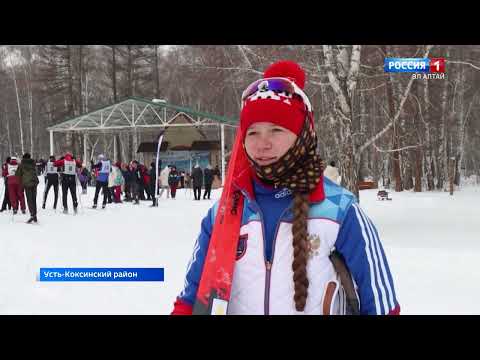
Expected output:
{"points": [[135, 114]]}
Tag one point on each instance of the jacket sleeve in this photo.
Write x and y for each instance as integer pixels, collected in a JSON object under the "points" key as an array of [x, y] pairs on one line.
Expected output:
{"points": [[19, 172], [186, 299], [360, 245], [58, 163]]}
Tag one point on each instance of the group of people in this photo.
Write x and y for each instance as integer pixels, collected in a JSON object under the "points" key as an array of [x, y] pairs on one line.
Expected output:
{"points": [[203, 178], [20, 178], [134, 180]]}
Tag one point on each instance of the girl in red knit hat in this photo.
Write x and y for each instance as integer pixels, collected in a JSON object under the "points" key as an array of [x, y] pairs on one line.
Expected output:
{"points": [[304, 244]]}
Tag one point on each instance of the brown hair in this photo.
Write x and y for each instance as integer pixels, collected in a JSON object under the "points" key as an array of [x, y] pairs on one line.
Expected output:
{"points": [[301, 206]]}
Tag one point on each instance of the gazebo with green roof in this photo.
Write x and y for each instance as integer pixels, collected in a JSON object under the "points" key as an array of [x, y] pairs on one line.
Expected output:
{"points": [[139, 115]]}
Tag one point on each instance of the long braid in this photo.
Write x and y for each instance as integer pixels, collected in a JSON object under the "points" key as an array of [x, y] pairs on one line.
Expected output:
{"points": [[300, 249], [301, 206]]}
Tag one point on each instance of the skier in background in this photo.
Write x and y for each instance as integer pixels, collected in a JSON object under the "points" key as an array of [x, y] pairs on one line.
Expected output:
{"points": [[208, 180], [15, 189], [27, 174], [164, 182], [51, 179], [6, 199], [136, 181], [173, 179], [84, 177], [197, 179], [69, 164], [104, 167]]}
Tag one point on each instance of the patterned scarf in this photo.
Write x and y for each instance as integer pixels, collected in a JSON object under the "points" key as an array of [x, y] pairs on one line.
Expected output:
{"points": [[300, 169]]}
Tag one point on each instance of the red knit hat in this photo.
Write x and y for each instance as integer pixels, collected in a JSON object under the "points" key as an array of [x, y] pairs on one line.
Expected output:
{"points": [[288, 112]]}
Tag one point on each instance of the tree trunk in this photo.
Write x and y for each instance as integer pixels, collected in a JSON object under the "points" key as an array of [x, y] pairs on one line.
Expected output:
{"points": [[418, 170], [70, 79], [348, 165], [156, 72], [86, 94], [30, 102], [19, 110], [80, 79], [364, 170], [428, 153], [461, 124], [129, 71], [7, 120], [342, 74], [443, 153], [114, 73], [395, 145]]}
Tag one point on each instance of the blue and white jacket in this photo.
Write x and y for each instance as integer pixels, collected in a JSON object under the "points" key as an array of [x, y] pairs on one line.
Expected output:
{"points": [[263, 275], [104, 168]]}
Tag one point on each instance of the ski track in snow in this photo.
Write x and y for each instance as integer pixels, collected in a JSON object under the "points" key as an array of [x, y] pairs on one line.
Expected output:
{"points": [[430, 239]]}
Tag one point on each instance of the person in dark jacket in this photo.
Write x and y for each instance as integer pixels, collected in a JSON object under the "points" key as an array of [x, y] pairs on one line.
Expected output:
{"points": [[27, 173], [197, 177], [6, 198], [127, 176], [84, 177], [208, 180], [136, 181], [51, 179], [173, 179]]}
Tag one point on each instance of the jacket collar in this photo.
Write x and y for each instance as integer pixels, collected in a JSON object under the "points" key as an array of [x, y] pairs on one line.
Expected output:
{"points": [[243, 182]]}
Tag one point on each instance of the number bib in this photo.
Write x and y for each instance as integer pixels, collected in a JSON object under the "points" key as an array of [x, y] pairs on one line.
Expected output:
{"points": [[69, 167], [50, 168], [12, 169], [106, 167]]}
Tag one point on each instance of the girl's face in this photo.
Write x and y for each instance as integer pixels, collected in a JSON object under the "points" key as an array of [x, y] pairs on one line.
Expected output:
{"points": [[266, 142]]}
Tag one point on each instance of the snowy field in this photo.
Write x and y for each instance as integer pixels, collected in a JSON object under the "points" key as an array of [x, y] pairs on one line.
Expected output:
{"points": [[431, 240]]}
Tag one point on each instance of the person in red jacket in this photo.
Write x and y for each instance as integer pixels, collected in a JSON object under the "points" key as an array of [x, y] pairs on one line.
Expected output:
{"points": [[146, 182], [6, 199], [69, 179], [15, 188]]}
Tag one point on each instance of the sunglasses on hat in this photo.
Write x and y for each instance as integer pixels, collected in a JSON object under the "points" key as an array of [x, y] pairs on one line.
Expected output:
{"points": [[278, 85]]}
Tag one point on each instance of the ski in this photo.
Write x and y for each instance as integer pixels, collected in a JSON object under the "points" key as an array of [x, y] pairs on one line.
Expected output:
{"points": [[216, 281]]}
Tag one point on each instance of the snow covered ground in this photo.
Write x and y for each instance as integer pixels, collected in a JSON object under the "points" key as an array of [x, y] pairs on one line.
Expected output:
{"points": [[431, 241]]}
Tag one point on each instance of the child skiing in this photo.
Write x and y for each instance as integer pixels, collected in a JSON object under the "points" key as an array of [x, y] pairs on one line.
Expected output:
{"points": [[303, 244]]}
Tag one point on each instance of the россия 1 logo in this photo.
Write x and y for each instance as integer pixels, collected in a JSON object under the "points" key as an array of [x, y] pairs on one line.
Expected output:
{"points": [[424, 68]]}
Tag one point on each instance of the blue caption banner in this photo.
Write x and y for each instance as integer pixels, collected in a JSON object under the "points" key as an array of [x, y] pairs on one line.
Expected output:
{"points": [[101, 274]]}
